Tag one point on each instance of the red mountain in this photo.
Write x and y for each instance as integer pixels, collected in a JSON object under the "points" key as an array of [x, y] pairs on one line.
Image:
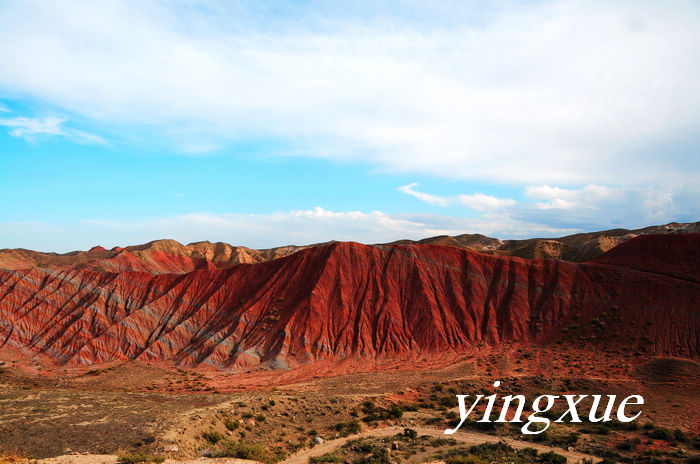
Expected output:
{"points": [[350, 300]]}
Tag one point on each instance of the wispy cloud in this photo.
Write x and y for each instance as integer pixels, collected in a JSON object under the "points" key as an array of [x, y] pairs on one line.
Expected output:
{"points": [[33, 128], [29, 128], [424, 197], [589, 196], [476, 201], [483, 202]]}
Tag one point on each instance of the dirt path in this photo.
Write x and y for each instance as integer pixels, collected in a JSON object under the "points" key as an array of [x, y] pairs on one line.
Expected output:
{"points": [[469, 438], [302, 457], [112, 459]]}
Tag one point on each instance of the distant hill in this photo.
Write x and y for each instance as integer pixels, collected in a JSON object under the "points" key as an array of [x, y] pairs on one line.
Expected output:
{"points": [[169, 256]]}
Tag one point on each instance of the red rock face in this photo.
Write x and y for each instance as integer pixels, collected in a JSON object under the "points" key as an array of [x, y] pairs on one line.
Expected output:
{"points": [[349, 300]]}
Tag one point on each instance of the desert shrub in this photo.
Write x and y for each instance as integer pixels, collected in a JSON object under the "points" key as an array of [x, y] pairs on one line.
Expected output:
{"points": [[625, 445], [278, 454], [213, 436], [328, 457], [617, 425], [449, 401], [410, 434], [351, 427], [140, 457], [451, 415], [528, 453], [661, 434], [496, 452], [348, 428], [567, 439], [491, 449], [465, 459], [410, 406], [425, 404], [375, 413], [14, 458], [679, 435], [551, 458], [231, 424], [260, 418], [552, 415], [598, 430], [380, 455], [234, 449]]}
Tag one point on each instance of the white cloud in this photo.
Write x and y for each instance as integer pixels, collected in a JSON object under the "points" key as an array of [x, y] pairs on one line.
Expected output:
{"points": [[595, 207], [565, 93], [22, 127], [591, 207], [589, 196], [83, 137], [32, 128], [482, 202], [476, 201], [424, 197]]}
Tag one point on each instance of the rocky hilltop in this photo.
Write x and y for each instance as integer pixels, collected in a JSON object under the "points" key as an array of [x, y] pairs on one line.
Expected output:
{"points": [[343, 300], [156, 257], [577, 248], [169, 256]]}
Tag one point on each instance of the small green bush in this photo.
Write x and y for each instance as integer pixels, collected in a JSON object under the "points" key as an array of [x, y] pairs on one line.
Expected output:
{"points": [[328, 457], [140, 457], [551, 458], [231, 424], [213, 436], [466, 459], [234, 449], [661, 434]]}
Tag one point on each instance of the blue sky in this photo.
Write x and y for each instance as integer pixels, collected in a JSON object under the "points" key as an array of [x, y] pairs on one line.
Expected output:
{"points": [[277, 123]]}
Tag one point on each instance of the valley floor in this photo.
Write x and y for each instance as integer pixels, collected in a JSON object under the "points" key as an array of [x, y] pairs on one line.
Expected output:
{"points": [[139, 411]]}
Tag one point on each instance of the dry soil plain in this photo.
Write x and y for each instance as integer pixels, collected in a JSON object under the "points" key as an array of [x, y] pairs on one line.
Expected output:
{"points": [[138, 412]]}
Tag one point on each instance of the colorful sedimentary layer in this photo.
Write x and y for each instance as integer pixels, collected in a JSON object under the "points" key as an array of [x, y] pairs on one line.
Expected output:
{"points": [[349, 300]]}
